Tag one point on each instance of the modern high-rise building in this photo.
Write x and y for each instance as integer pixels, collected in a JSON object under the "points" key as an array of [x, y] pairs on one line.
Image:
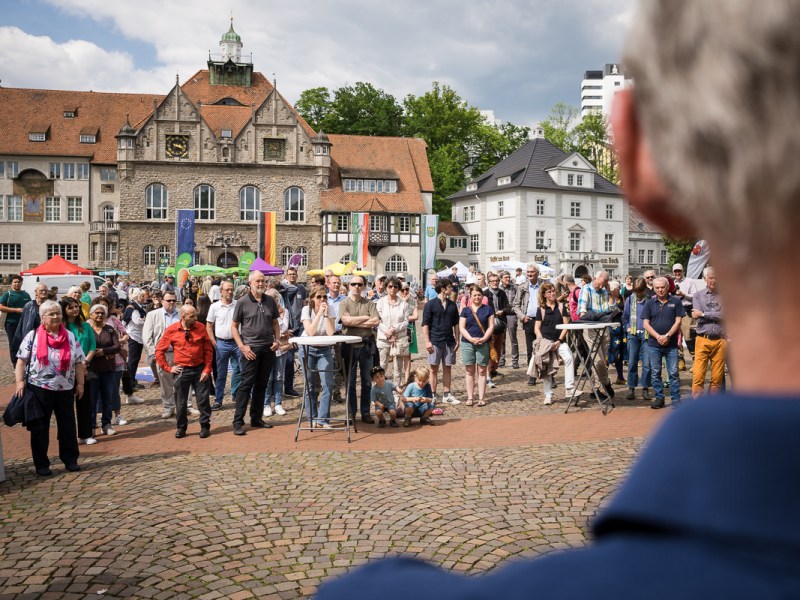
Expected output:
{"points": [[598, 89]]}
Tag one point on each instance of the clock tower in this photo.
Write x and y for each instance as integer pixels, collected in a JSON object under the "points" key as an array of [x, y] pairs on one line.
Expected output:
{"points": [[230, 67]]}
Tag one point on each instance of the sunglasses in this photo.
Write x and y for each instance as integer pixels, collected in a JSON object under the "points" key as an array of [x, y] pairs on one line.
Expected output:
{"points": [[186, 334], [168, 300], [319, 297], [353, 284], [394, 287]]}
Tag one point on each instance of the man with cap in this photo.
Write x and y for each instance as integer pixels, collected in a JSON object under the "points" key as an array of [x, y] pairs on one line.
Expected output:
{"points": [[379, 291], [453, 277], [685, 289]]}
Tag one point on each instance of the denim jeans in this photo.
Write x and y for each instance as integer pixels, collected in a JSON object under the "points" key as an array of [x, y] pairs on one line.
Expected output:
{"points": [[318, 359], [359, 359], [637, 350], [275, 384], [227, 351], [103, 397], [655, 354]]}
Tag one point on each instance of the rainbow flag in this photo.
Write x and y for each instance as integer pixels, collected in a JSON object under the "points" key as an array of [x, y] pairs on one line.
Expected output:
{"points": [[359, 228], [266, 236]]}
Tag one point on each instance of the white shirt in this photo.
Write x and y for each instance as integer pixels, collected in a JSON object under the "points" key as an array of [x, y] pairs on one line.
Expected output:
{"points": [[520, 279], [221, 315], [306, 315], [214, 293]]}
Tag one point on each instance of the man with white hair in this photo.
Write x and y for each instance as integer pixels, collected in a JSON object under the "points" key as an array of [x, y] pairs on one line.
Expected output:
{"points": [[662, 317], [594, 299], [710, 345], [29, 319], [710, 508]]}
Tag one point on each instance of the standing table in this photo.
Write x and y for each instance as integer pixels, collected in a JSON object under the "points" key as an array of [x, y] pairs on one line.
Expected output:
{"points": [[577, 329], [325, 340]]}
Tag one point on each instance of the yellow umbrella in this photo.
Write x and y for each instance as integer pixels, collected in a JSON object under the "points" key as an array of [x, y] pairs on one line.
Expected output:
{"points": [[362, 273], [315, 272], [337, 268]]}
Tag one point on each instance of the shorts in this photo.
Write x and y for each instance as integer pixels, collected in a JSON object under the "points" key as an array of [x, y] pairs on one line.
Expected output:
{"points": [[388, 404], [421, 407], [444, 353], [474, 354]]}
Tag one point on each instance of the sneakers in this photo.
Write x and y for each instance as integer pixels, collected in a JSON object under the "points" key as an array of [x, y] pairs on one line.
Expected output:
{"points": [[646, 394], [193, 411], [381, 423], [90, 441], [393, 423], [107, 430], [531, 380], [325, 425], [515, 365], [168, 412], [268, 410], [216, 406], [450, 399], [490, 384], [631, 394], [132, 399], [279, 410], [119, 420], [547, 400]]}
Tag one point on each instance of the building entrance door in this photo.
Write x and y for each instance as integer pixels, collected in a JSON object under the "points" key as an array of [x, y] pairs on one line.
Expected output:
{"points": [[226, 260]]}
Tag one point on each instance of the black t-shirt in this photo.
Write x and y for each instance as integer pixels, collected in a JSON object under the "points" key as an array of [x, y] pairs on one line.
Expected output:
{"points": [[552, 317], [256, 320]]}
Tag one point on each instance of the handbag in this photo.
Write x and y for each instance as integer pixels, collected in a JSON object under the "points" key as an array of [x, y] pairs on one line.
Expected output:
{"points": [[16, 409], [493, 354]]}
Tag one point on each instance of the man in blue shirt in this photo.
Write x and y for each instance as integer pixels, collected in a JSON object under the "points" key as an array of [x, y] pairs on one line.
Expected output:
{"points": [[710, 510], [430, 291], [661, 317]]}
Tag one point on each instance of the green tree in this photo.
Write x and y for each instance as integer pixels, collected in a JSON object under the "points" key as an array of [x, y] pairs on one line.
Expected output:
{"points": [[559, 126], [447, 172], [678, 251], [363, 109], [315, 106], [441, 117], [493, 144]]}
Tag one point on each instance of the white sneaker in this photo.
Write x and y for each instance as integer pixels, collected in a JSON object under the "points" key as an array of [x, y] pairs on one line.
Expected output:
{"points": [[167, 413], [268, 410], [108, 431], [547, 400], [134, 400], [450, 399], [90, 441], [490, 384], [279, 410], [120, 421], [193, 411]]}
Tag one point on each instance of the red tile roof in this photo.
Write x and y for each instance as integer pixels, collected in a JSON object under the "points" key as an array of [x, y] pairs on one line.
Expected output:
{"points": [[221, 117], [452, 229], [199, 89], [23, 110], [366, 154]]}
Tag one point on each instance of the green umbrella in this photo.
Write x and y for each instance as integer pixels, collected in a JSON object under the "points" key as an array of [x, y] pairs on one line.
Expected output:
{"points": [[203, 270]]}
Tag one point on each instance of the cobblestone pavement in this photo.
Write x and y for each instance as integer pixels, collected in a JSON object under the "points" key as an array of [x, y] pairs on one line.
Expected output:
{"points": [[150, 516]]}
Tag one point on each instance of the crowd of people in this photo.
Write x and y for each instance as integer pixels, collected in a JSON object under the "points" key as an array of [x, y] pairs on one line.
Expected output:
{"points": [[245, 330]]}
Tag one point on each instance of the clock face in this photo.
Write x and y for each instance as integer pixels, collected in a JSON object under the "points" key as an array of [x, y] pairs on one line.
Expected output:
{"points": [[177, 146]]}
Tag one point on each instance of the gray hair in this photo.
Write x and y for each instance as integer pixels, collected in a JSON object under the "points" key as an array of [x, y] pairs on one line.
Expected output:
{"points": [[661, 279], [48, 305], [613, 285], [98, 307], [137, 293], [75, 288], [708, 271], [716, 87]]}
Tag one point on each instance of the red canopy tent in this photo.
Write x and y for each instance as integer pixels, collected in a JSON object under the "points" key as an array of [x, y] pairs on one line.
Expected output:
{"points": [[57, 266]]}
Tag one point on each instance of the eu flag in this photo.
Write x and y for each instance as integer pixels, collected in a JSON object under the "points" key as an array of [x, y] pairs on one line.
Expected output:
{"points": [[185, 233]]}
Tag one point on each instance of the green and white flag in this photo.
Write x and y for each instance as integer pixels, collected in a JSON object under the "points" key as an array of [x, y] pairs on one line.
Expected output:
{"points": [[430, 227]]}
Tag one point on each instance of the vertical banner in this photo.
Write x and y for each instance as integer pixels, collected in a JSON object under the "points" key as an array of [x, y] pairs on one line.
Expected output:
{"points": [[430, 228], [266, 236], [698, 260], [184, 233], [359, 228]]}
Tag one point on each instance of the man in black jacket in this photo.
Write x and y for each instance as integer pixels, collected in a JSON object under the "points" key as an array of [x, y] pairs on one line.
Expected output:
{"points": [[499, 301]]}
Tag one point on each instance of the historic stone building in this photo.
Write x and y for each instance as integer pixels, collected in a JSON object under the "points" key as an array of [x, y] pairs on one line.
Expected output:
{"points": [[99, 178]]}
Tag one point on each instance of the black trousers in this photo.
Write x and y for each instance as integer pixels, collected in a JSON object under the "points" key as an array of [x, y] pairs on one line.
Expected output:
{"points": [[84, 408], [530, 337], [11, 329], [255, 376], [62, 403], [134, 355], [189, 379]]}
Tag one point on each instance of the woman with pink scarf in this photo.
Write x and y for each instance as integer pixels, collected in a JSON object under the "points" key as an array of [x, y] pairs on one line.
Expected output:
{"points": [[55, 378]]}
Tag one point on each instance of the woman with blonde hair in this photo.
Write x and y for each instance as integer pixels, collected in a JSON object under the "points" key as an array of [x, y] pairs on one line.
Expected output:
{"points": [[318, 318], [550, 314]]}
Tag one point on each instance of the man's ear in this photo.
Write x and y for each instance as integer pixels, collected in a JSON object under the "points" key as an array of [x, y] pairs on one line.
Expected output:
{"points": [[641, 183]]}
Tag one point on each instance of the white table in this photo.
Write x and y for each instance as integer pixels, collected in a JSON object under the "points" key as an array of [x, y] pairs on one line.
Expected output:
{"points": [[321, 341], [588, 364]]}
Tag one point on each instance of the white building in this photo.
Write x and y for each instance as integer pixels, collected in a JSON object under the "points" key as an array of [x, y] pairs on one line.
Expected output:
{"points": [[646, 247], [543, 205], [598, 89]]}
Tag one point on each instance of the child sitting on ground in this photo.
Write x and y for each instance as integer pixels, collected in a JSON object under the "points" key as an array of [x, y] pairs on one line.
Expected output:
{"points": [[418, 398], [383, 396]]}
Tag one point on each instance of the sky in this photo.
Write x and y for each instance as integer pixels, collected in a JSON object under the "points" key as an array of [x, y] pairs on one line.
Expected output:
{"points": [[514, 57]]}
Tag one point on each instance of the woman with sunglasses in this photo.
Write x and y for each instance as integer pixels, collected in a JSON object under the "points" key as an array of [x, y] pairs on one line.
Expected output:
{"points": [[412, 316], [72, 315], [318, 319], [552, 313], [393, 330], [103, 365]]}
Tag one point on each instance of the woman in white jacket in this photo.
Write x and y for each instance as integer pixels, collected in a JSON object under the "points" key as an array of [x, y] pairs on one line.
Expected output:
{"points": [[393, 330]]}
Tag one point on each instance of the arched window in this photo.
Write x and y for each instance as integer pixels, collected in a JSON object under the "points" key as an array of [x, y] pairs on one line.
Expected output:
{"points": [[396, 264], [286, 254], [156, 201], [163, 252], [149, 255], [204, 203], [249, 203], [107, 211], [294, 205], [301, 250]]}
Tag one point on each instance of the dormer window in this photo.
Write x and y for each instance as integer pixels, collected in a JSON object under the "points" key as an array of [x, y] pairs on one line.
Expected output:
{"points": [[37, 137], [88, 139], [570, 179], [69, 114], [226, 133], [322, 150], [383, 186], [471, 187], [504, 180]]}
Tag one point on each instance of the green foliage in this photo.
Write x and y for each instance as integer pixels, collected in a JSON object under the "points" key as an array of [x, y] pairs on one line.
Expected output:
{"points": [[558, 126], [678, 251], [441, 117], [448, 176], [363, 109], [315, 106]]}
